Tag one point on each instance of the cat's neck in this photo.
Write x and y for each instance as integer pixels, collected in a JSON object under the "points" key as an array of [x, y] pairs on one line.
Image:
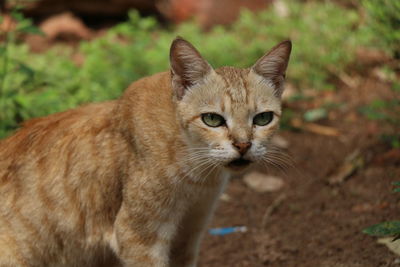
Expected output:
{"points": [[146, 116]]}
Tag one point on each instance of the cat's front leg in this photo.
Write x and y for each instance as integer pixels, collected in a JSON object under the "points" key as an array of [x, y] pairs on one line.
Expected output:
{"points": [[186, 244], [185, 248], [139, 240]]}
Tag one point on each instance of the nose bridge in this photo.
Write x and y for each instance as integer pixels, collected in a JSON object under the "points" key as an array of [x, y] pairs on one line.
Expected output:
{"points": [[240, 130], [240, 134]]}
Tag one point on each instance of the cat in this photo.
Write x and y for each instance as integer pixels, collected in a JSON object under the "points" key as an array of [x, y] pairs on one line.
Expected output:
{"points": [[135, 181]]}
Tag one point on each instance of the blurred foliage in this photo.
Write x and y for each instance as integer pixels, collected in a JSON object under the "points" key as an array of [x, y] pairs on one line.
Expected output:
{"points": [[384, 229], [386, 111], [325, 37], [393, 140], [16, 77], [384, 19], [315, 114], [390, 228]]}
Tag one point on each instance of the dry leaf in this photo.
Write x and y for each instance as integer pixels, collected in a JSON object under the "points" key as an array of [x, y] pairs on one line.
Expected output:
{"points": [[315, 128], [352, 163], [393, 246]]}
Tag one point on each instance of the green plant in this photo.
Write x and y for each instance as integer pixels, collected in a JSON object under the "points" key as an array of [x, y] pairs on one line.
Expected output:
{"points": [[392, 140], [384, 19], [325, 37], [385, 110], [390, 228], [15, 73]]}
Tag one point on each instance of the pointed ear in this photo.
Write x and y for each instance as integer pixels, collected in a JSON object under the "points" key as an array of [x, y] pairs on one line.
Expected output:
{"points": [[187, 66], [272, 66]]}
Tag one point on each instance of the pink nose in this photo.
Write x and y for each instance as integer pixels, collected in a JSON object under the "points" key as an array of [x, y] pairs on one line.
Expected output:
{"points": [[242, 147]]}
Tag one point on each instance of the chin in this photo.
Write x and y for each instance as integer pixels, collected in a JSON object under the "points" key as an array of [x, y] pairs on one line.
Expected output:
{"points": [[238, 166]]}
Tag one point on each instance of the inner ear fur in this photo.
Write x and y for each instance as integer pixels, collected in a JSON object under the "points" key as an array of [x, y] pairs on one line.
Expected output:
{"points": [[272, 66], [187, 66]]}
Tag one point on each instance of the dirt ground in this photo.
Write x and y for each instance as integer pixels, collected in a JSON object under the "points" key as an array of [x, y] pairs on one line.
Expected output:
{"points": [[314, 223]]}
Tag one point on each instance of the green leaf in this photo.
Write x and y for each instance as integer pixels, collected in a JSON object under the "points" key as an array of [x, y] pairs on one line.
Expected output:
{"points": [[396, 190], [24, 68], [383, 229], [396, 183], [396, 86], [18, 16], [372, 112], [22, 100], [315, 114], [2, 50], [32, 30], [395, 143]]}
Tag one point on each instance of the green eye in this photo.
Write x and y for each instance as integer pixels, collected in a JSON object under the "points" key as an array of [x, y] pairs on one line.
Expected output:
{"points": [[212, 119], [263, 118]]}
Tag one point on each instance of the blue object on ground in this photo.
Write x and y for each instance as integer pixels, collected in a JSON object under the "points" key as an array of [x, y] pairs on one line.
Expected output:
{"points": [[227, 230]]}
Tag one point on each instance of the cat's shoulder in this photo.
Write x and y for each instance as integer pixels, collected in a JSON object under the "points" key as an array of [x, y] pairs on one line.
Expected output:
{"points": [[158, 83], [149, 93]]}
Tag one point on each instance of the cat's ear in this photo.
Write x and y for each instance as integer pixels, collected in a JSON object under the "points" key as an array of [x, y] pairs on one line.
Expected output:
{"points": [[272, 66], [187, 66]]}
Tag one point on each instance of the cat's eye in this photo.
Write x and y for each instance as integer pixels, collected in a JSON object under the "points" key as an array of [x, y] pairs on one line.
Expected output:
{"points": [[263, 118], [212, 119]]}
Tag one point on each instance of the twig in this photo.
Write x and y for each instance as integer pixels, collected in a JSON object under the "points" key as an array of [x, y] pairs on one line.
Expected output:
{"points": [[351, 164], [271, 208], [315, 128]]}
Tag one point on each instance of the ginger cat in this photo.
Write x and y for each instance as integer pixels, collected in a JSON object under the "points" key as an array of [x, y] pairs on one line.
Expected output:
{"points": [[134, 181]]}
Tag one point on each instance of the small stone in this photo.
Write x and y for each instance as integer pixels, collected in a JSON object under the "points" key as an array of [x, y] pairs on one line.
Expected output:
{"points": [[225, 197], [280, 142], [261, 183]]}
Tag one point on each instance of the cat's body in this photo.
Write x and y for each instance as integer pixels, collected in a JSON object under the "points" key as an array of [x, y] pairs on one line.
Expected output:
{"points": [[130, 180]]}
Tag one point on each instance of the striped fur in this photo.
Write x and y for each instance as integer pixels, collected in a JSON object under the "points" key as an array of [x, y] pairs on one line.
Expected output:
{"points": [[130, 182]]}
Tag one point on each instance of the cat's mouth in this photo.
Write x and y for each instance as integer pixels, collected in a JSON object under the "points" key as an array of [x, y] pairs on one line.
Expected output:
{"points": [[238, 164]]}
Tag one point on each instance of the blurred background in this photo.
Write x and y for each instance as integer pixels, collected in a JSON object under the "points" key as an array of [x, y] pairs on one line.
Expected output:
{"points": [[339, 144]]}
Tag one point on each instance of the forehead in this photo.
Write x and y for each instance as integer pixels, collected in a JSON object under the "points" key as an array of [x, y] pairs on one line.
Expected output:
{"points": [[241, 89], [235, 84], [232, 91]]}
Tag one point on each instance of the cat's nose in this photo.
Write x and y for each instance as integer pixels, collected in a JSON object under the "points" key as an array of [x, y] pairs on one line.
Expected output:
{"points": [[242, 147]]}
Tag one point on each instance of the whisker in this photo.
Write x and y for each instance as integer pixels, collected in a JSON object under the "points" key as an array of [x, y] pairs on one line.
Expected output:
{"points": [[279, 159], [214, 165], [200, 165], [276, 165]]}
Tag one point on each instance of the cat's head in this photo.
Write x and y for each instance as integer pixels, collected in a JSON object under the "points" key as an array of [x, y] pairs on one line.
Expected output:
{"points": [[228, 115]]}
